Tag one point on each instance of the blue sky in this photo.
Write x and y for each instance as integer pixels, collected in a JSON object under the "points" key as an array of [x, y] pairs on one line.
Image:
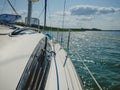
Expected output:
{"points": [[103, 14]]}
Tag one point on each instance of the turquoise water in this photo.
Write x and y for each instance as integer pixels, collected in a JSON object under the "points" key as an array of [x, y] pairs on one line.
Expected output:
{"points": [[100, 51]]}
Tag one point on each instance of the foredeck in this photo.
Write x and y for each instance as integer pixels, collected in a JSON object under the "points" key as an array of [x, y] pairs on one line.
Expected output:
{"points": [[62, 75]]}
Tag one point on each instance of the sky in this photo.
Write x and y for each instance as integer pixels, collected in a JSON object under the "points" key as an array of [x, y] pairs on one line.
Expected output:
{"points": [[101, 14]]}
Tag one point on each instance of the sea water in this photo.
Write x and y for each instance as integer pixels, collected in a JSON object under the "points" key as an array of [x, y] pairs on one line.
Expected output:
{"points": [[100, 51]]}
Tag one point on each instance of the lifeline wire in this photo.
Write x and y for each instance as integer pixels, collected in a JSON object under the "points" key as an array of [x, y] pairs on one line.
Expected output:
{"points": [[88, 70]]}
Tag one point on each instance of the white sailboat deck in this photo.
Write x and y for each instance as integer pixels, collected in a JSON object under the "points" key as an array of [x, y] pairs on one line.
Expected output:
{"points": [[14, 54], [67, 78]]}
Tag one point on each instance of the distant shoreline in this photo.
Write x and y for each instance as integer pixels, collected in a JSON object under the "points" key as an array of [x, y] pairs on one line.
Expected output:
{"points": [[47, 28], [112, 30]]}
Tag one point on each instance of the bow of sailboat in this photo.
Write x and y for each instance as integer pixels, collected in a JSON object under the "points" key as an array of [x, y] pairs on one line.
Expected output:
{"points": [[31, 60]]}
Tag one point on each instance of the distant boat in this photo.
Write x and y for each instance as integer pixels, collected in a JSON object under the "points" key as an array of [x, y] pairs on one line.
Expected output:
{"points": [[31, 60]]}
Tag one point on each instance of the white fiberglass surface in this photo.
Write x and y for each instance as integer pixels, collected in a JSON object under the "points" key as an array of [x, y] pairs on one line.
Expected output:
{"points": [[14, 55]]}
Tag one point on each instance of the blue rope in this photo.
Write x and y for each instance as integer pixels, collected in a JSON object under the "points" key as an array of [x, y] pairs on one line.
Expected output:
{"points": [[57, 76]]}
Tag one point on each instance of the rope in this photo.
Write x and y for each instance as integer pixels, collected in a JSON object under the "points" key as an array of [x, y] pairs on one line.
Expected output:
{"points": [[57, 75], [12, 7], [89, 71]]}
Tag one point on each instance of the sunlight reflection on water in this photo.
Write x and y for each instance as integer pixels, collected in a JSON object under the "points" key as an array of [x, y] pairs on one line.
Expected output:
{"points": [[100, 51]]}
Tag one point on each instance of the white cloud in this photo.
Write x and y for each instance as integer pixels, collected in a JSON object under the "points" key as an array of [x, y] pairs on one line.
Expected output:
{"points": [[85, 18], [86, 12], [92, 10], [82, 16], [61, 13], [22, 12]]}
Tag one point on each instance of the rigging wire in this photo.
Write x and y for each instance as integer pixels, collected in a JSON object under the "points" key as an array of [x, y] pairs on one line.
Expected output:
{"points": [[14, 3], [9, 2], [4, 4], [89, 71], [63, 21], [12, 7], [49, 17], [41, 12]]}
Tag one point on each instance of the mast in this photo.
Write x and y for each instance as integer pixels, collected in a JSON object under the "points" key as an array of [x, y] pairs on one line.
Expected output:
{"points": [[45, 14], [30, 11]]}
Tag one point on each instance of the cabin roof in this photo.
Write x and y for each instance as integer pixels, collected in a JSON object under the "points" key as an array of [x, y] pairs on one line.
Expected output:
{"points": [[15, 52]]}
